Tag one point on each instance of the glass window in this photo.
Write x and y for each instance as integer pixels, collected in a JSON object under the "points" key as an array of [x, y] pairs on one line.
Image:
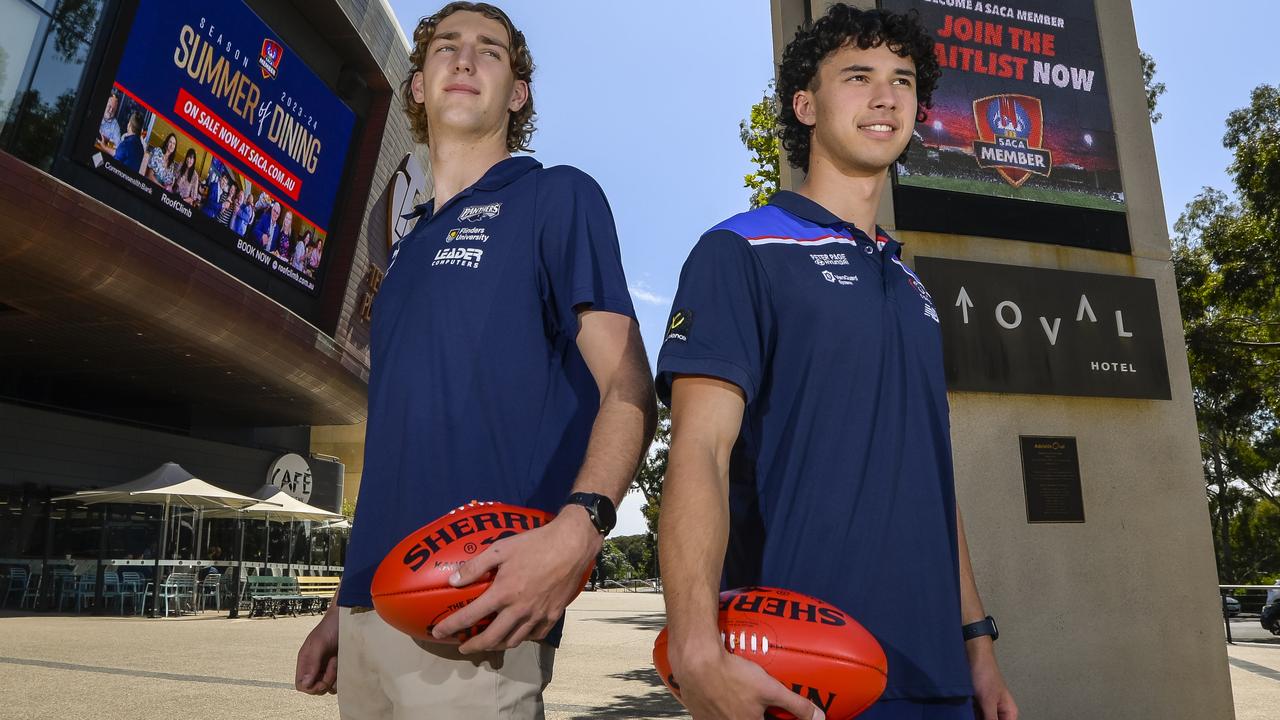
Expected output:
{"points": [[21, 33], [22, 522], [39, 103]]}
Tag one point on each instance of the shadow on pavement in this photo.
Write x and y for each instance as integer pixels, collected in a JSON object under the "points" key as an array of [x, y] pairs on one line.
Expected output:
{"points": [[654, 703], [648, 621]]}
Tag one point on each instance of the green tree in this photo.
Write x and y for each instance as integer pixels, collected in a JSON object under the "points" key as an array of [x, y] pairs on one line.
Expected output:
{"points": [[636, 549], [759, 132], [654, 468], [613, 563], [1226, 256], [1154, 89]]}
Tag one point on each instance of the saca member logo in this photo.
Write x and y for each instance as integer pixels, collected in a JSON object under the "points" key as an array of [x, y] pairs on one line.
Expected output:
{"points": [[1011, 137], [679, 326], [477, 213], [269, 60], [459, 256]]}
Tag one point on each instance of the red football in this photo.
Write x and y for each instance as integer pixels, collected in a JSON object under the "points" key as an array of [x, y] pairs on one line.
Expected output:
{"points": [[808, 645], [411, 589]]}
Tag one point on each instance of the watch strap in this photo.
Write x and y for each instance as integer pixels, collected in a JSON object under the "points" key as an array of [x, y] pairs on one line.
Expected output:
{"points": [[592, 502], [985, 626]]}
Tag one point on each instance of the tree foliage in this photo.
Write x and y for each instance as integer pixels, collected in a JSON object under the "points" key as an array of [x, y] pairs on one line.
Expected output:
{"points": [[654, 469], [1226, 256], [759, 132], [1154, 89], [612, 563]]}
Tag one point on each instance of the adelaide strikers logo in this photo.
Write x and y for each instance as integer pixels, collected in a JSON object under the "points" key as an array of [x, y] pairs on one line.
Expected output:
{"points": [[1011, 137], [269, 61]]}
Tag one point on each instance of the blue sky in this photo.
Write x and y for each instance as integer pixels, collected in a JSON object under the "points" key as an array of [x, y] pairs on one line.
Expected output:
{"points": [[647, 97], [1210, 56]]}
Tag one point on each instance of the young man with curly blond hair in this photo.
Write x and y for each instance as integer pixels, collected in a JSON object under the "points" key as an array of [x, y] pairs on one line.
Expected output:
{"points": [[506, 364], [810, 440]]}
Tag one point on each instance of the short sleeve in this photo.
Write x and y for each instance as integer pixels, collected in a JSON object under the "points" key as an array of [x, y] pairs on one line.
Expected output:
{"points": [[581, 263], [721, 319]]}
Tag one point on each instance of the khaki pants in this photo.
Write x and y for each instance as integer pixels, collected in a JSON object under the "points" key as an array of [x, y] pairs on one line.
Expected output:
{"points": [[384, 674]]}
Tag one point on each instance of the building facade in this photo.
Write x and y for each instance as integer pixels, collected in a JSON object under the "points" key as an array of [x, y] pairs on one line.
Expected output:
{"points": [[194, 216]]}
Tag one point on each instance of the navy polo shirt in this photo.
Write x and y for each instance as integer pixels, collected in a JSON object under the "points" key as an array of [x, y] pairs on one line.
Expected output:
{"points": [[477, 390], [841, 481]]}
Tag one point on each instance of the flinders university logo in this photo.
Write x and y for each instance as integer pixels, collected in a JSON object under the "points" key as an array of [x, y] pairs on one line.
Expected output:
{"points": [[1011, 137], [269, 61]]}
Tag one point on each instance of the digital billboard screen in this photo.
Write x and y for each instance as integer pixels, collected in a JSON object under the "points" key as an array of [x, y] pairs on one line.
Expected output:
{"points": [[216, 120], [1021, 112]]}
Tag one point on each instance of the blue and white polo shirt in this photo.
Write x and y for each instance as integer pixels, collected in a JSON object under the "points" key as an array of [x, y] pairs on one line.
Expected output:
{"points": [[477, 389], [841, 481]]}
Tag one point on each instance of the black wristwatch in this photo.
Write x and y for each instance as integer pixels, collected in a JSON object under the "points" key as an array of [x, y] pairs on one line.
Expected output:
{"points": [[983, 627], [599, 508]]}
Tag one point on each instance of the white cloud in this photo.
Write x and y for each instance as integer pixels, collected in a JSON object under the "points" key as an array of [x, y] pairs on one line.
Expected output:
{"points": [[641, 292]]}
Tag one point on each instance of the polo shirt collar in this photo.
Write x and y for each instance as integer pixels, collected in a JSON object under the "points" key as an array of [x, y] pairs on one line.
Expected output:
{"points": [[503, 173], [806, 209]]}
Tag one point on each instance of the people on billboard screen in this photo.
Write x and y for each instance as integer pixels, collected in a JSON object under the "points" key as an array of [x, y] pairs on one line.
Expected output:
{"points": [[177, 164], [186, 181], [162, 163], [109, 129], [265, 230], [129, 150]]}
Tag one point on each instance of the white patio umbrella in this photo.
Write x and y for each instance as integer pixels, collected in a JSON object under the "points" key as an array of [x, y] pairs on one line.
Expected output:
{"points": [[274, 505], [170, 484]]}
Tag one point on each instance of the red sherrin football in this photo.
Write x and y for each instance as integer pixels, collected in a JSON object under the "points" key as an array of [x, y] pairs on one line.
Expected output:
{"points": [[808, 645], [411, 589]]}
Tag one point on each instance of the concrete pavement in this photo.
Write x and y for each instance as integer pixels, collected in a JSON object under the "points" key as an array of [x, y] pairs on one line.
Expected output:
{"points": [[70, 667]]}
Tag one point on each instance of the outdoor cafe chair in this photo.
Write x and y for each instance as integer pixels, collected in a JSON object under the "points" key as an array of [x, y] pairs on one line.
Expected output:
{"points": [[33, 591], [177, 588], [111, 589], [19, 581], [64, 582], [133, 588], [87, 588], [211, 585]]}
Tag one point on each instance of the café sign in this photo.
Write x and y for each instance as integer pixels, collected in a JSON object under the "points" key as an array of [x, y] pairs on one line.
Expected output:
{"points": [[292, 473]]}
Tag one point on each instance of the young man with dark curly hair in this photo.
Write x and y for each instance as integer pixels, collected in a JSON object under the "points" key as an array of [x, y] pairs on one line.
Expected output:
{"points": [[506, 364], [810, 439]]}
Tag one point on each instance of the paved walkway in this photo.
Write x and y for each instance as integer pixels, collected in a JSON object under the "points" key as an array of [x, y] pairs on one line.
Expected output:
{"points": [[68, 667], [1255, 670]]}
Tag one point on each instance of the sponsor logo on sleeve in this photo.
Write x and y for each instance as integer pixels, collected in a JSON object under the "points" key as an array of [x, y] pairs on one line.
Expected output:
{"points": [[679, 326]]}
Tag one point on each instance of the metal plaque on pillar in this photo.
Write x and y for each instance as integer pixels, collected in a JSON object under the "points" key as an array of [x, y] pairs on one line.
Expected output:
{"points": [[1013, 329], [1051, 478]]}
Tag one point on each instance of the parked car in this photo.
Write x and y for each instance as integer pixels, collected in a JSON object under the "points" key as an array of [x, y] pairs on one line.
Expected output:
{"points": [[1230, 606]]}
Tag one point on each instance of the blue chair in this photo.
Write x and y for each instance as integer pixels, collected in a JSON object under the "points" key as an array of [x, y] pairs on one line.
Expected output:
{"points": [[133, 588], [111, 589], [19, 581], [211, 585]]}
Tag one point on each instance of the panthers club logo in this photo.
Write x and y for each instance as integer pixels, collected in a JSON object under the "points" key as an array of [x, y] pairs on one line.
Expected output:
{"points": [[269, 61], [1011, 137]]}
